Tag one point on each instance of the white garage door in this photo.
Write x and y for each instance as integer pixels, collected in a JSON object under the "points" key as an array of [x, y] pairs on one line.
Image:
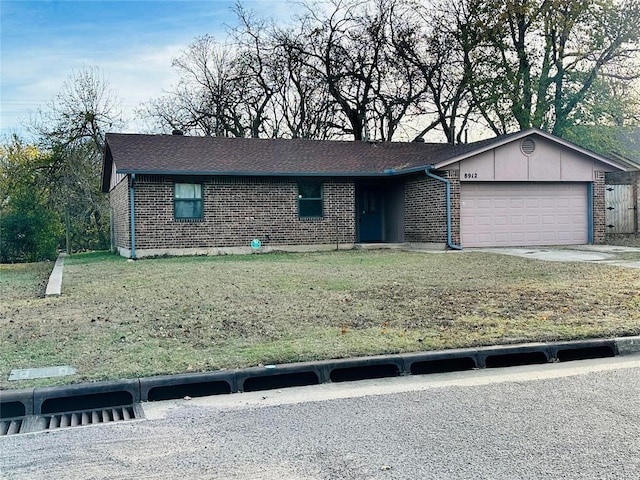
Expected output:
{"points": [[521, 214]]}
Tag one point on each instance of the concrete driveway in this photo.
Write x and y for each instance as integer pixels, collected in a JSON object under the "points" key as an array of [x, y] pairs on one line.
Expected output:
{"points": [[607, 254]]}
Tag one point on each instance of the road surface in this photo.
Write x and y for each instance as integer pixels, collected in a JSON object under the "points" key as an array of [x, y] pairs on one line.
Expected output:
{"points": [[577, 420]]}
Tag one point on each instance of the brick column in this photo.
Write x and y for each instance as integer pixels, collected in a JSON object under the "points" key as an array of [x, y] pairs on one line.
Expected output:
{"points": [[454, 179], [599, 227]]}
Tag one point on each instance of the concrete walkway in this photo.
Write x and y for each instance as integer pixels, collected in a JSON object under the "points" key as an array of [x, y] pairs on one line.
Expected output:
{"points": [[607, 254], [54, 287]]}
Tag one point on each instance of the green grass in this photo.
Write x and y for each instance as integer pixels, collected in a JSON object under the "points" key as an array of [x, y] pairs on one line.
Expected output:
{"points": [[123, 319], [23, 281]]}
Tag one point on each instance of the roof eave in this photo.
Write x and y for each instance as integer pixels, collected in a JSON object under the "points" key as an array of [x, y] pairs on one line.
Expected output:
{"points": [[631, 164], [203, 173]]}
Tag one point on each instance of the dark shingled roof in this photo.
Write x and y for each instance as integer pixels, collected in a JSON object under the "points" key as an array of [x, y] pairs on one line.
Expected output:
{"points": [[247, 156], [184, 155]]}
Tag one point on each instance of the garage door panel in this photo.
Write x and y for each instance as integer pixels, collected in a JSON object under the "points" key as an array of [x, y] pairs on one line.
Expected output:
{"points": [[549, 237], [520, 214], [565, 236]]}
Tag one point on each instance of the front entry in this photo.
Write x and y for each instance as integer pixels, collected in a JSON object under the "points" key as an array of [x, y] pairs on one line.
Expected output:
{"points": [[369, 211]]}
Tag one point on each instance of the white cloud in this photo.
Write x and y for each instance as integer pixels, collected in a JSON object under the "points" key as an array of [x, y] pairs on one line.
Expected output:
{"points": [[135, 60]]}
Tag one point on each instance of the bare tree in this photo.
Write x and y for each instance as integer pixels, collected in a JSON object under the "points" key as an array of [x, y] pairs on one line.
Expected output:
{"points": [[371, 68], [343, 43], [71, 129], [84, 109], [303, 101], [208, 98]]}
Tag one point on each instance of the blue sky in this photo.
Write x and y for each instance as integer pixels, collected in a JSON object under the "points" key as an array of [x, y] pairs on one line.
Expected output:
{"points": [[131, 41]]}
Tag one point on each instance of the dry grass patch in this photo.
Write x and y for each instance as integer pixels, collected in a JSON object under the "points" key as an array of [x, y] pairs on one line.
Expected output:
{"points": [[126, 319]]}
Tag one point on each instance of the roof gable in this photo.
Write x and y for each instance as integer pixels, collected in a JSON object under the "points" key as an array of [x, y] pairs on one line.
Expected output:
{"points": [[486, 145]]}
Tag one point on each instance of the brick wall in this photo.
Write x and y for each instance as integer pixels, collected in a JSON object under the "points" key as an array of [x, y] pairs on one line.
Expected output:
{"points": [[425, 210], [238, 209], [119, 202], [599, 227]]}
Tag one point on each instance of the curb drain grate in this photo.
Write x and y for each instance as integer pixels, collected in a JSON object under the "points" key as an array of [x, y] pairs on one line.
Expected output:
{"points": [[86, 417], [11, 426], [55, 421]]}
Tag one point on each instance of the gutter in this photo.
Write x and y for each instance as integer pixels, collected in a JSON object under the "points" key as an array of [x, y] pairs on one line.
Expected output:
{"points": [[447, 184], [204, 173], [132, 203]]}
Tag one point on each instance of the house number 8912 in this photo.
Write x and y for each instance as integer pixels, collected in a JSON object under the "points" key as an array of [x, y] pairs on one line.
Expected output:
{"points": [[470, 175]]}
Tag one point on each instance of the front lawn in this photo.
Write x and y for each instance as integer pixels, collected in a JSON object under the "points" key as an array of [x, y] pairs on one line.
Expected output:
{"points": [[123, 319]]}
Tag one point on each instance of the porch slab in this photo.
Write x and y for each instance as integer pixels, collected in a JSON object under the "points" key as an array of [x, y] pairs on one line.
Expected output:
{"points": [[381, 246], [426, 247]]}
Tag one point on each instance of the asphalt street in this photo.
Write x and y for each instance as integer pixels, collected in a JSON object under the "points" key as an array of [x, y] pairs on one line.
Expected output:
{"points": [[575, 420]]}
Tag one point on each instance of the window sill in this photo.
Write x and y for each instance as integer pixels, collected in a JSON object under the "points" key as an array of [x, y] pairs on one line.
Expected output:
{"points": [[188, 220]]}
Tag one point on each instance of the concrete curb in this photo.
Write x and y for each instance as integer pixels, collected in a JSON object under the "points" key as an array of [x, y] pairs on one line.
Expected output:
{"points": [[35, 401], [54, 287], [628, 345]]}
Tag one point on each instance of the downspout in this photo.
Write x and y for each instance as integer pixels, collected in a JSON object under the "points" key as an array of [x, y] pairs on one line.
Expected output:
{"points": [[447, 184], [132, 205], [590, 228]]}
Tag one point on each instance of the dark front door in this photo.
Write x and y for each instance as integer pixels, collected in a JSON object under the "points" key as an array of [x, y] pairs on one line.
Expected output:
{"points": [[370, 214]]}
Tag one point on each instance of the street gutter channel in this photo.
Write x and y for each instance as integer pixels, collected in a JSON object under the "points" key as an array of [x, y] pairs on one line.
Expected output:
{"points": [[51, 408]]}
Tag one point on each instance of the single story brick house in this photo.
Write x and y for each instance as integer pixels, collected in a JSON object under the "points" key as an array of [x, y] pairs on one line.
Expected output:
{"points": [[175, 194]]}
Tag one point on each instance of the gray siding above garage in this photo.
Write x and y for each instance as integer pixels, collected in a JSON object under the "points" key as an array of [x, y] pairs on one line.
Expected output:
{"points": [[549, 162]]}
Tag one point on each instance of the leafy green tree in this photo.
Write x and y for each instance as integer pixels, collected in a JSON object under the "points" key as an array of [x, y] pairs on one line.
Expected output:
{"points": [[608, 119], [30, 228], [546, 58]]}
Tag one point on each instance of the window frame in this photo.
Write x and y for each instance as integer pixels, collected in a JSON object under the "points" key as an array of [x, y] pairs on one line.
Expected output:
{"points": [[193, 201], [311, 200]]}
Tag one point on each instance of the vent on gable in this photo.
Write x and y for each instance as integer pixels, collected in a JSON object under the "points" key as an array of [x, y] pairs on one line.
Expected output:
{"points": [[528, 146]]}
